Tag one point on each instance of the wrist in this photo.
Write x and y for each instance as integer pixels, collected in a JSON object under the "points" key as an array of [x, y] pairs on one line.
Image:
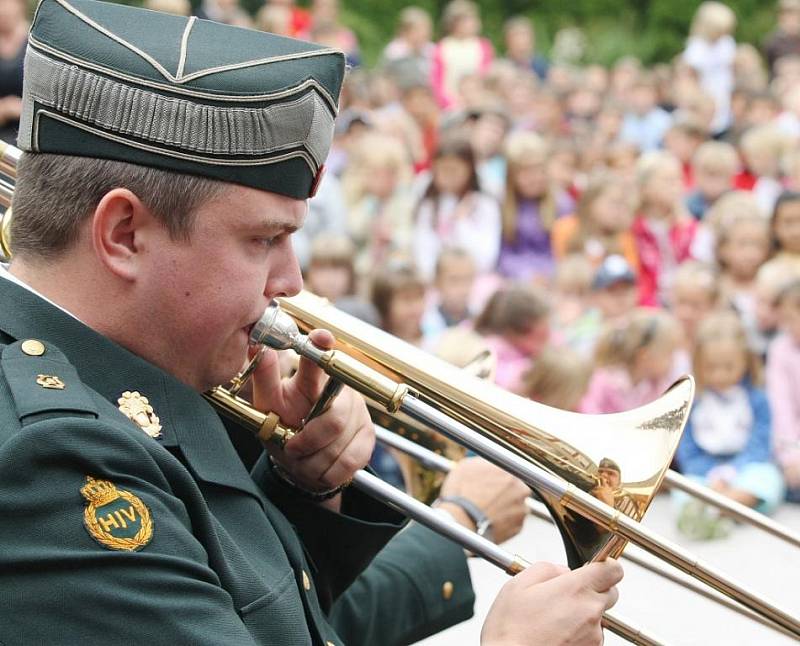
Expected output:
{"points": [[457, 513], [320, 496], [478, 520]]}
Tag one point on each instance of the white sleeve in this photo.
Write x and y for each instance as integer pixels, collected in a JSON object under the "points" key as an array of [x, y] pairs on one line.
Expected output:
{"points": [[425, 241], [480, 233]]}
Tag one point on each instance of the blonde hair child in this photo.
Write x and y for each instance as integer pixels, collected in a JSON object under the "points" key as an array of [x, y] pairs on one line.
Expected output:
{"points": [[379, 206], [663, 230], [695, 294], [727, 440], [530, 208], [578, 323], [715, 164], [711, 51], [558, 378], [743, 245], [633, 363], [601, 224], [763, 148], [772, 277]]}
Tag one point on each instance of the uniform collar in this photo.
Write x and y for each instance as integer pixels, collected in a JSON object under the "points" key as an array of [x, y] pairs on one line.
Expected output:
{"points": [[187, 420]]}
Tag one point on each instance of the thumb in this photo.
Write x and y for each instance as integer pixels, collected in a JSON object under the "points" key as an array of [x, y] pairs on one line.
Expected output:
{"points": [[540, 573], [601, 576]]}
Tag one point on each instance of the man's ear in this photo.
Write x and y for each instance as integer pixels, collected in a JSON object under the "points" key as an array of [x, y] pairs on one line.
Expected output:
{"points": [[118, 230]]}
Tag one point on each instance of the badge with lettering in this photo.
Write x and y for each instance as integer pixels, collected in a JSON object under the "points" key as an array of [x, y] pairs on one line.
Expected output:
{"points": [[115, 518], [50, 381], [137, 408]]}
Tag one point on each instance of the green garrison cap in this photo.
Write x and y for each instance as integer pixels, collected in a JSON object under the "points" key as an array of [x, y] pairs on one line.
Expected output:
{"points": [[193, 96]]}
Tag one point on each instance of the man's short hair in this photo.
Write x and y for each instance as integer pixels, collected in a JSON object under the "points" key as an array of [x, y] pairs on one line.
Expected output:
{"points": [[55, 194]]}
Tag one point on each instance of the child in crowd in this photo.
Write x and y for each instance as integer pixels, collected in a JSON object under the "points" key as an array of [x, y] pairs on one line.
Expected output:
{"points": [[461, 53], [558, 378], [412, 41], [520, 41], [577, 322], [614, 291], [772, 277], [454, 279], [710, 50], [455, 212], [762, 149], [785, 40], [663, 229], [786, 228], [562, 169], [516, 325], [530, 208], [646, 123], [695, 294], [398, 293], [331, 272], [743, 245], [727, 442], [601, 224], [683, 139], [715, 165], [379, 204], [633, 363], [783, 387]]}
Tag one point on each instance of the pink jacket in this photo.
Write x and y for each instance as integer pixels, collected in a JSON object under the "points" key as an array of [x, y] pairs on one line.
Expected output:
{"points": [[511, 363], [611, 391], [783, 391]]}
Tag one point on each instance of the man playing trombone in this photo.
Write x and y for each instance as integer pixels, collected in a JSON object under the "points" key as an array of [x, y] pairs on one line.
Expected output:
{"points": [[168, 161]]}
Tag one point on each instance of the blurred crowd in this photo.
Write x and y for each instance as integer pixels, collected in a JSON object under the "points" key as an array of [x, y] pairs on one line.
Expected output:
{"points": [[602, 231]]}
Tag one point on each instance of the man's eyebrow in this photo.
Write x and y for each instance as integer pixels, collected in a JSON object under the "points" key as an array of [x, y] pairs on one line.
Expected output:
{"points": [[280, 225]]}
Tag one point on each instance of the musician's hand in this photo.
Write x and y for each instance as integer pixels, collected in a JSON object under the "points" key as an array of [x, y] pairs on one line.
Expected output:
{"points": [[548, 605], [604, 493], [331, 447], [498, 494]]}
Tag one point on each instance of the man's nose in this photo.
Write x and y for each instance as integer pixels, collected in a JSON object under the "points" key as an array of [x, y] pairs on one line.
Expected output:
{"points": [[285, 278]]}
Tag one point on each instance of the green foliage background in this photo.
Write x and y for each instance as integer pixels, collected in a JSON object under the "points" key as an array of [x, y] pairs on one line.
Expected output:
{"points": [[653, 30]]}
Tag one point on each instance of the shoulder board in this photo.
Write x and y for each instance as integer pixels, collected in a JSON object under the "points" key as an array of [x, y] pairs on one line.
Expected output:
{"points": [[43, 383]]}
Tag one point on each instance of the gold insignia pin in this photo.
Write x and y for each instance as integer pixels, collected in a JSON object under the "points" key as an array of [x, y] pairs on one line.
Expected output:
{"points": [[115, 518], [137, 408], [50, 381]]}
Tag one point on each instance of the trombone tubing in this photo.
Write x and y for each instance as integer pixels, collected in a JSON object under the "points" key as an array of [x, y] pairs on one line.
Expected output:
{"points": [[431, 460], [483, 547], [397, 397]]}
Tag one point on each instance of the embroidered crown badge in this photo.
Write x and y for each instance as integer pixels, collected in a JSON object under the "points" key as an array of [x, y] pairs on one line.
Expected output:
{"points": [[115, 518]]}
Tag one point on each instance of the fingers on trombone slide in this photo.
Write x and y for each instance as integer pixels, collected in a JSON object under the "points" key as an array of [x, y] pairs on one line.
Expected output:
{"points": [[332, 388]]}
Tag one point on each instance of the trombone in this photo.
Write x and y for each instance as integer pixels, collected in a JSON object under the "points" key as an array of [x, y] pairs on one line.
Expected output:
{"points": [[555, 452]]}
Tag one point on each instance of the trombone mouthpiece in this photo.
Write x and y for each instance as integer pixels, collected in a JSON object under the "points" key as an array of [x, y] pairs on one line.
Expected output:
{"points": [[276, 329]]}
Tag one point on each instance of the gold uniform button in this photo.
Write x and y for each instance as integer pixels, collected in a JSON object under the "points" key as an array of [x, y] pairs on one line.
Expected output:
{"points": [[329, 644], [306, 581], [33, 348], [447, 590]]}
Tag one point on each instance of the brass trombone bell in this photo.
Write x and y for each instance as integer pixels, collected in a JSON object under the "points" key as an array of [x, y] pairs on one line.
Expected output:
{"points": [[559, 454]]}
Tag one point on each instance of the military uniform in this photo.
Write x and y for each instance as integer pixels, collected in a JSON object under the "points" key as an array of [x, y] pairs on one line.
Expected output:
{"points": [[126, 514], [232, 557]]}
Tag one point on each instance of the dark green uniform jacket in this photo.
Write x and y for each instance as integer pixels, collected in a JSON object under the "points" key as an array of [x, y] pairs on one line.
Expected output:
{"points": [[108, 535]]}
